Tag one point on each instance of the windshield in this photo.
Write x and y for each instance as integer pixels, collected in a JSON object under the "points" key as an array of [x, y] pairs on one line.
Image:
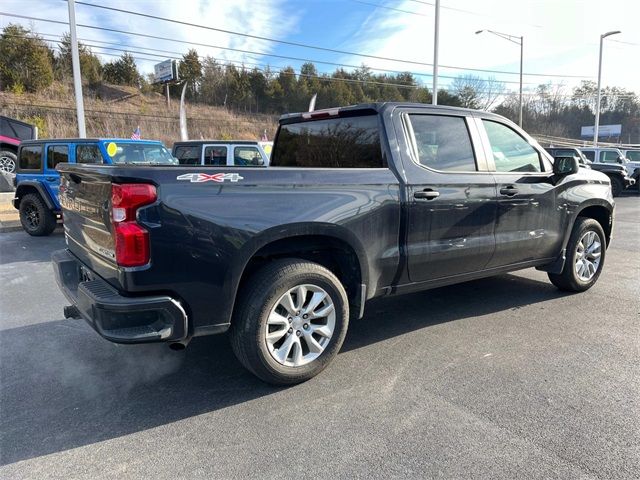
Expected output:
{"points": [[135, 153]]}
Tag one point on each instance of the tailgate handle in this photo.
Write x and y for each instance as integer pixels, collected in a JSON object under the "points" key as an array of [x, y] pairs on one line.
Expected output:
{"points": [[426, 194]]}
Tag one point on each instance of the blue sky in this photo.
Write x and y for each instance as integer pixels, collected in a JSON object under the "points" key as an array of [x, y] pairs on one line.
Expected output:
{"points": [[560, 36]]}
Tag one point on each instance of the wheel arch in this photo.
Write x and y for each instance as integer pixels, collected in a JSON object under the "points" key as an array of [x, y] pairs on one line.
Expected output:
{"points": [[601, 214], [331, 246], [27, 187]]}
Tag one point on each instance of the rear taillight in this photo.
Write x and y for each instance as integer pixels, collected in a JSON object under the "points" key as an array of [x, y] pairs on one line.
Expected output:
{"points": [[131, 240]]}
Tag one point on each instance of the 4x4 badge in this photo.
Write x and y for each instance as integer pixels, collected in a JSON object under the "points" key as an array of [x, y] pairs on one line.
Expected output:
{"points": [[206, 177]]}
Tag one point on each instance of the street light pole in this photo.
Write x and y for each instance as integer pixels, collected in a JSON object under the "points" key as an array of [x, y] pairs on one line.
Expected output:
{"points": [[596, 128], [77, 78], [517, 41], [436, 37]]}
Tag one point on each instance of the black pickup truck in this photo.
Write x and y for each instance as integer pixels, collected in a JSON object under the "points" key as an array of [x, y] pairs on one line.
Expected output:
{"points": [[359, 202]]}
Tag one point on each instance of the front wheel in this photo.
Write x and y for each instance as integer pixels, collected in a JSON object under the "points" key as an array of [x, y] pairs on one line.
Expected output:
{"points": [[585, 257], [290, 321]]}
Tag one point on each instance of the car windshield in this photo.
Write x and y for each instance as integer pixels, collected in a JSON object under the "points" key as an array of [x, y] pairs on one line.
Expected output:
{"points": [[139, 153]]}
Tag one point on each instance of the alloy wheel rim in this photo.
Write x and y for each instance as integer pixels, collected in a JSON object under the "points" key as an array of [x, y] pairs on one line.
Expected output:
{"points": [[32, 216], [7, 165], [300, 325], [588, 256]]}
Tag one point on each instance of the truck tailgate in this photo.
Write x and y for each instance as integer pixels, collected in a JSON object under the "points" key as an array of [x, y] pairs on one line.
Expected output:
{"points": [[85, 197]]}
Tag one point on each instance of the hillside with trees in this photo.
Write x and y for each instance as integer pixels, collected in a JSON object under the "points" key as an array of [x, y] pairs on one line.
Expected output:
{"points": [[235, 101]]}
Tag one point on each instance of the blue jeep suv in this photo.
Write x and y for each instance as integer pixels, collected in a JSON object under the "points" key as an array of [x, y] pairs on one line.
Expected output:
{"points": [[37, 180]]}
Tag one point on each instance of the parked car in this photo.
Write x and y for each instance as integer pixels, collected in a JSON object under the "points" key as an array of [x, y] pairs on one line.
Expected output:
{"points": [[377, 200], [12, 132], [633, 155], [618, 175], [216, 153], [37, 180]]}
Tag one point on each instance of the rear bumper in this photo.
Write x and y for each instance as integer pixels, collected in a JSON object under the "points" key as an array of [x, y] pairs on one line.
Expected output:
{"points": [[117, 318]]}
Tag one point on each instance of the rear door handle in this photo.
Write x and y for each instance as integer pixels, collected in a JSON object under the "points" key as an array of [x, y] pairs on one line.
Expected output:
{"points": [[509, 191], [426, 194]]}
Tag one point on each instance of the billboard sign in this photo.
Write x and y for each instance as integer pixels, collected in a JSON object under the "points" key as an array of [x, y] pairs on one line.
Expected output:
{"points": [[603, 131], [166, 71]]}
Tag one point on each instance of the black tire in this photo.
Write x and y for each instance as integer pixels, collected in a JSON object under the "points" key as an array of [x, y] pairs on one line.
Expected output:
{"points": [[569, 279], [36, 219], [616, 186], [8, 161], [254, 304]]}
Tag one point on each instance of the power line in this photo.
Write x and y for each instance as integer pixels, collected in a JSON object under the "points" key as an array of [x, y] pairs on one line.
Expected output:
{"points": [[278, 56], [377, 5], [315, 47]]}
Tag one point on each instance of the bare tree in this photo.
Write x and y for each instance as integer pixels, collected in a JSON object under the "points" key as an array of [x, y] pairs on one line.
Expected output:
{"points": [[476, 92]]}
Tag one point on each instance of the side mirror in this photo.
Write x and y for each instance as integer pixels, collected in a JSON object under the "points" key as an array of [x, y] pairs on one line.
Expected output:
{"points": [[565, 166], [620, 160]]}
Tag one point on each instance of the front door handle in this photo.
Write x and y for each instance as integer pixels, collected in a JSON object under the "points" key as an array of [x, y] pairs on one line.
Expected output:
{"points": [[509, 191], [51, 179], [426, 194]]}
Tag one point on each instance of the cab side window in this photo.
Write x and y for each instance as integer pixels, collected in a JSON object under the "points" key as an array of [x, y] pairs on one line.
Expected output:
{"points": [[57, 154], [443, 143], [89, 153], [590, 155], [511, 152], [188, 154], [31, 157], [247, 156], [215, 156], [608, 156]]}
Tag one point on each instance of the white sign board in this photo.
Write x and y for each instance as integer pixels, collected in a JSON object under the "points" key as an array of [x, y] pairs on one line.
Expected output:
{"points": [[603, 131], [164, 71]]}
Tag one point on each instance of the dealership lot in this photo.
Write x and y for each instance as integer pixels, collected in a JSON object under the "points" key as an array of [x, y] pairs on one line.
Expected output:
{"points": [[498, 378]]}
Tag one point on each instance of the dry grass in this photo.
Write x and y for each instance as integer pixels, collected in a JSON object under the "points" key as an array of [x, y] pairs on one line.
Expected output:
{"points": [[114, 111]]}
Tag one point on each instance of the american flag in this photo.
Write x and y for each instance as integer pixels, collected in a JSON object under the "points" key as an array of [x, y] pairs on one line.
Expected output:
{"points": [[136, 134]]}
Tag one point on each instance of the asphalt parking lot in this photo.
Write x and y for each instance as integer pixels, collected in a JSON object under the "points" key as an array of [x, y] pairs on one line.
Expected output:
{"points": [[498, 378]]}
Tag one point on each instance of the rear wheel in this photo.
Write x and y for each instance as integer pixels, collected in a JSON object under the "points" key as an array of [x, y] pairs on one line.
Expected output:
{"points": [[290, 321], [616, 186], [35, 217], [8, 161], [585, 257]]}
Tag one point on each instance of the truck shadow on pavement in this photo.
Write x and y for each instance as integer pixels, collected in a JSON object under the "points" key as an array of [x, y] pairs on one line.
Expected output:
{"points": [[65, 387]]}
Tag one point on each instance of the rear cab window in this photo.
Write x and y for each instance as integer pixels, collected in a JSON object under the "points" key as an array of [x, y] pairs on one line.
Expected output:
{"points": [[57, 154], [188, 154], [30, 157], [442, 142], [341, 142]]}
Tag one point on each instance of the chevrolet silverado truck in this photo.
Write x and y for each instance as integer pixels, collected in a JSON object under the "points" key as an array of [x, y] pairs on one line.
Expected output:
{"points": [[359, 202]]}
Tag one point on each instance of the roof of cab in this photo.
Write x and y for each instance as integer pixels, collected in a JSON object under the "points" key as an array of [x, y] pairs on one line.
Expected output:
{"points": [[223, 142], [88, 140], [378, 107]]}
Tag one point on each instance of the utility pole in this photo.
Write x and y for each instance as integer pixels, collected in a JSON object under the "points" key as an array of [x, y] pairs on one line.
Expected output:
{"points": [[77, 78], [166, 85], [436, 39]]}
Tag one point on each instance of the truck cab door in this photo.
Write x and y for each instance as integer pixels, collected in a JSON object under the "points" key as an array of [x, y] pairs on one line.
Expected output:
{"points": [[450, 197], [528, 225], [54, 154]]}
